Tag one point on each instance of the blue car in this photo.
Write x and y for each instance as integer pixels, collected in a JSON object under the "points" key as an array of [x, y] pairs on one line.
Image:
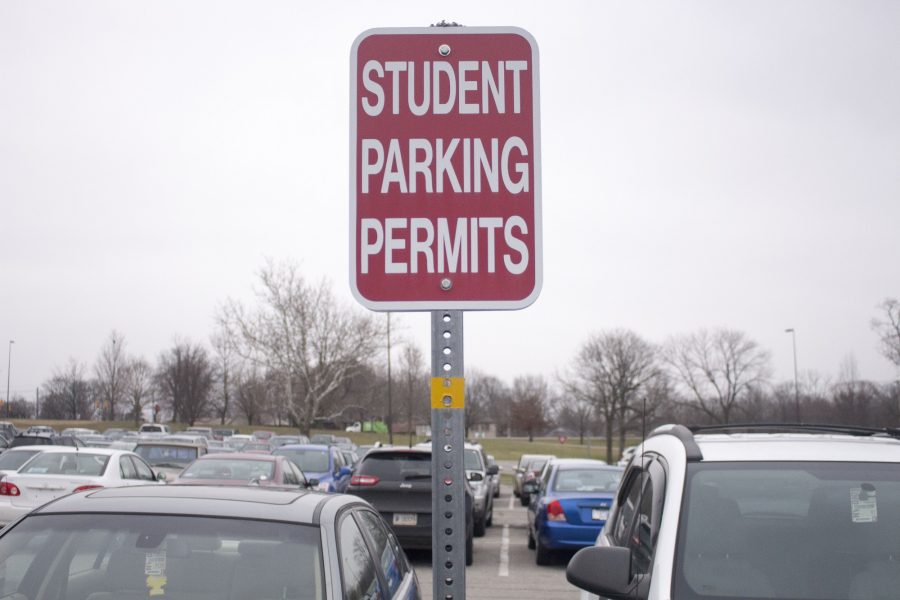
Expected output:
{"points": [[323, 463], [570, 506]]}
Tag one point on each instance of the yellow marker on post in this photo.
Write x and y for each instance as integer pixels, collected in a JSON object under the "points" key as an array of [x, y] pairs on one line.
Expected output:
{"points": [[448, 392]]}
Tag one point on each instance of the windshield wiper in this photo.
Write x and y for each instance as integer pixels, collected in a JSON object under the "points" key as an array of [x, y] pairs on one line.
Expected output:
{"points": [[417, 476]]}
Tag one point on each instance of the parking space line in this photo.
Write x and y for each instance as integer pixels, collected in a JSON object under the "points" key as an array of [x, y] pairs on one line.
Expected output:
{"points": [[503, 571], [512, 498]]}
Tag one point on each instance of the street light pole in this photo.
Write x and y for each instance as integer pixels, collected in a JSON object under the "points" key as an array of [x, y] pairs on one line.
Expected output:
{"points": [[8, 365], [796, 384]]}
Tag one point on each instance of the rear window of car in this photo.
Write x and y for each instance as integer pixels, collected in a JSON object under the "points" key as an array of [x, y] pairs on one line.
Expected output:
{"points": [[140, 556], [225, 468], [12, 460], [160, 454], [397, 466], [26, 440], [309, 460], [67, 463], [586, 480]]}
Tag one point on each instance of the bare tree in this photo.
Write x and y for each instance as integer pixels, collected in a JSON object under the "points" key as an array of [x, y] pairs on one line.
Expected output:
{"points": [[530, 403], [855, 401], [487, 399], [302, 332], [575, 412], [609, 373], [109, 372], [251, 395], [68, 394], [185, 377], [888, 329], [717, 369], [20, 408], [415, 386], [139, 388], [225, 356]]}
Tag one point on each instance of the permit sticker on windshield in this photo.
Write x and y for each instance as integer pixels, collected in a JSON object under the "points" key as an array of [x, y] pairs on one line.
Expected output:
{"points": [[863, 507], [155, 563]]}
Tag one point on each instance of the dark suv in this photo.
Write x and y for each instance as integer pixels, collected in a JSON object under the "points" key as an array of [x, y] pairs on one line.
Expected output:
{"points": [[397, 482]]}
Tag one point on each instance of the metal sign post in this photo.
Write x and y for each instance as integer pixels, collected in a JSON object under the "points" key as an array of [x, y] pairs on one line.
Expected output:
{"points": [[448, 498]]}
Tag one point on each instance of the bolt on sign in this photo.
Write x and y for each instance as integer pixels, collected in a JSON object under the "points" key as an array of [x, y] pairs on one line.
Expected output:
{"points": [[445, 181]]}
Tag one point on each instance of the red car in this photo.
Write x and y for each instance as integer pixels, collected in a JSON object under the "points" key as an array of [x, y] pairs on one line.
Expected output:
{"points": [[242, 468]]}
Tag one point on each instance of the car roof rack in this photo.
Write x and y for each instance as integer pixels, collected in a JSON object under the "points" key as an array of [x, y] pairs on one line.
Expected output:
{"points": [[891, 432], [691, 449]]}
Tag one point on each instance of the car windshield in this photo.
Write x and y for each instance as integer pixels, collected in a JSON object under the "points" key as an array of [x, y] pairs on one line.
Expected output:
{"points": [[397, 466], [13, 459], [226, 468], [67, 463], [587, 480], [473, 460], [163, 454], [789, 530], [310, 460], [172, 557]]}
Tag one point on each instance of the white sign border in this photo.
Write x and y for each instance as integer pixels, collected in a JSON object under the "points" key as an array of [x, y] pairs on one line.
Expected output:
{"points": [[428, 305]]}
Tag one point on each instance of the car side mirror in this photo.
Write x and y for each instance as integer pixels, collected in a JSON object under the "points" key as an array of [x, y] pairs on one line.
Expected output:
{"points": [[602, 570], [493, 470], [311, 483], [475, 476], [161, 477]]}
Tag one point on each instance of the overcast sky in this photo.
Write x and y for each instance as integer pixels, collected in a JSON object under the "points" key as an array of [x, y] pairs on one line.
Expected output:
{"points": [[704, 164]]}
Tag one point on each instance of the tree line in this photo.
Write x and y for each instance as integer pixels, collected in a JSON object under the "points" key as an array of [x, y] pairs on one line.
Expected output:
{"points": [[297, 356]]}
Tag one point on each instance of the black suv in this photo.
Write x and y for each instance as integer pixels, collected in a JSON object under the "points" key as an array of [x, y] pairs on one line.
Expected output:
{"points": [[397, 482]]}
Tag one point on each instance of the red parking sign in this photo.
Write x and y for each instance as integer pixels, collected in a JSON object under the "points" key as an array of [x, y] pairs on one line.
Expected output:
{"points": [[445, 179]]}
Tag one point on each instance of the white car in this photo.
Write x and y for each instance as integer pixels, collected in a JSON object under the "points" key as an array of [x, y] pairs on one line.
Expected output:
{"points": [[752, 511], [52, 474]]}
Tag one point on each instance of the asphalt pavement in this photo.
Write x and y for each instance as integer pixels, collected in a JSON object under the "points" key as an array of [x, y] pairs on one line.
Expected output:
{"points": [[503, 566]]}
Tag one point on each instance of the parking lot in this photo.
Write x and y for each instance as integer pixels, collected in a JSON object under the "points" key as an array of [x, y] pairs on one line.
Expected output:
{"points": [[504, 566]]}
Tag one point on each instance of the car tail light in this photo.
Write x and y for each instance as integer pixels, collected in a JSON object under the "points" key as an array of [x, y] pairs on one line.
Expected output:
{"points": [[555, 511], [364, 480], [9, 489], [84, 488]]}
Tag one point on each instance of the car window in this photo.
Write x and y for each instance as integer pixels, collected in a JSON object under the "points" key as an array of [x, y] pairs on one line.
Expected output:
{"points": [[831, 525], [399, 466], [126, 468], [14, 459], [287, 474], [586, 480], [473, 460], [310, 460], [627, 506], [392, 566], [143, 469], [67, 463], [545, 480], [641, 539], [358, 572]]}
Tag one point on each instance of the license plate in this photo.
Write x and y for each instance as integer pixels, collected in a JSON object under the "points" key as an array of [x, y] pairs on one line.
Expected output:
{"points": [[599, 515], [405, 519]]}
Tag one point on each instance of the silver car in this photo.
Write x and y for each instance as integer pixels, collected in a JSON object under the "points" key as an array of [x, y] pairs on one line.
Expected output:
{"points": [[203, 542]]}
